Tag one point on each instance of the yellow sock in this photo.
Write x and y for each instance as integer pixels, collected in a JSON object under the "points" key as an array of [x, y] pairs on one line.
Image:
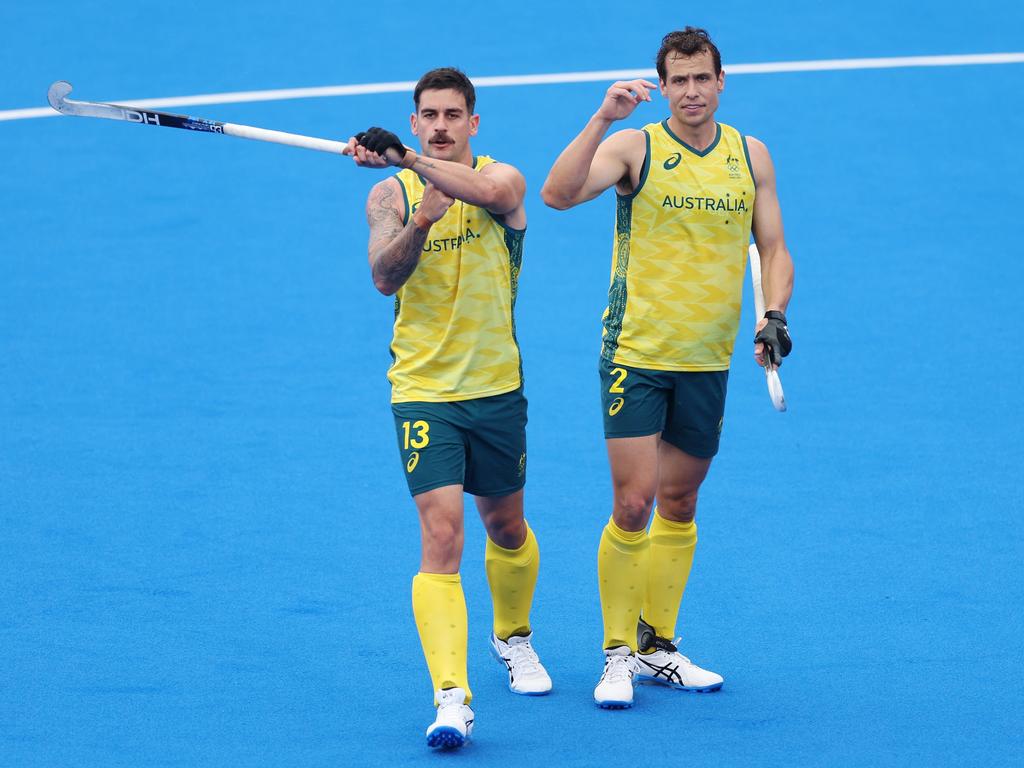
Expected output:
{"points": [[512, 575], [440, 610], [622, 578], [672, 547]]}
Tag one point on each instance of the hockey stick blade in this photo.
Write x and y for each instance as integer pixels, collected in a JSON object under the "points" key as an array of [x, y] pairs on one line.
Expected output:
{"points": [[57, 93], [58, 98], [771, 374]]}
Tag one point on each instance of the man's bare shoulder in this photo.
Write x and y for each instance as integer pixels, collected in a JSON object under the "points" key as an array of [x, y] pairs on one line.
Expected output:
{"points": [[505, 170], [756, 145], [627, 140], [386, 194], [760, 158], [384, 190]]}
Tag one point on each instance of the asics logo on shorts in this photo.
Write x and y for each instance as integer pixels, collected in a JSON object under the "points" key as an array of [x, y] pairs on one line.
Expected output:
{"points": [[616, 405], [414, 459]]}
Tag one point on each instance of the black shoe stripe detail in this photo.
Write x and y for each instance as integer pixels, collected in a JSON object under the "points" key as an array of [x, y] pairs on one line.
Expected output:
{"points": [[668, 672]]}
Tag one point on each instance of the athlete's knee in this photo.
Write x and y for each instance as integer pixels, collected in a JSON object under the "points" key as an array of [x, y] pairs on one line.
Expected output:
{"points": [[442, 549], [442, 531], [632, 509], [679, 507], [439, 530], [507, 532]]}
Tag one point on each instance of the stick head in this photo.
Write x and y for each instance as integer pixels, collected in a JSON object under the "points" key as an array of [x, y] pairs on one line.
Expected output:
{"points": [[775, 389], [57, 93]]}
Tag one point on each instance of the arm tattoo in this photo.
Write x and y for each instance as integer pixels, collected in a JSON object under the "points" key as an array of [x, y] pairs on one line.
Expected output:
{"points": [[422, 162], [394, 248]]}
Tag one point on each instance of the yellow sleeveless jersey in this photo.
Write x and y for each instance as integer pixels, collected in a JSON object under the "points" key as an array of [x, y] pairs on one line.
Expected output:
{"points": [[454, 334], [680, 255]]}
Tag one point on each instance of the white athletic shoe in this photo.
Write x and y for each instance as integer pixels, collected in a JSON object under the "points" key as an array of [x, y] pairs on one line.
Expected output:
{"points": [[526, 675], [454, 722], [665, 665], [615, 688]]}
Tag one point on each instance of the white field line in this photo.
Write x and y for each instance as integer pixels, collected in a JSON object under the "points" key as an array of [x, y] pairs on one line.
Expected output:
{"points": [[822, 65]]}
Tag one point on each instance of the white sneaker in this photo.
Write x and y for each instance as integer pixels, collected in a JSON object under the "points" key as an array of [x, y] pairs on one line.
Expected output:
{"points": [[526, 675], [615, 688], [454, 722], [665, 665]]}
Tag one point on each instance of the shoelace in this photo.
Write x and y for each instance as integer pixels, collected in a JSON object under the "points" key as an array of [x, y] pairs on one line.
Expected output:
{"points": [[619, 668], [675, 649], [524, 658]]}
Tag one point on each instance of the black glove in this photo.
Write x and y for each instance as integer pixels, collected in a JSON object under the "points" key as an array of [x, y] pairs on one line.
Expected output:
{"points": [[380, 141], [775, 337]]}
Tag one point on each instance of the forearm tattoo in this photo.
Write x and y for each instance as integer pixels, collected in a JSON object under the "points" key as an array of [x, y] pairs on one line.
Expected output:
{"points": [[394, 248]]}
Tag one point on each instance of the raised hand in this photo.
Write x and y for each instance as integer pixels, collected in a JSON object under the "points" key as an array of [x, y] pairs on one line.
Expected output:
{"points": [[434, 204], [376, 148], [623, 97]]}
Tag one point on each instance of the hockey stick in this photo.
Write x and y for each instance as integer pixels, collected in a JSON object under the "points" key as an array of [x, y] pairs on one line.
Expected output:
{"points": [[58, 92], [771, 373]]}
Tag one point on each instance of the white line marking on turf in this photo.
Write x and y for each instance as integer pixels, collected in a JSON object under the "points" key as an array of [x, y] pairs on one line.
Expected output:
{"points": [[771, 67]]}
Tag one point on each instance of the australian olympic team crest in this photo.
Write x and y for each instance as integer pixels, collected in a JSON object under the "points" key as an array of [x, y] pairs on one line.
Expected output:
{"points": [[733, 165]]}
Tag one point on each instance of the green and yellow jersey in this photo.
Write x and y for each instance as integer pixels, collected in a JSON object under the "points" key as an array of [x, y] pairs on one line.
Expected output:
{"points": [[454, 334], [680, 255]]}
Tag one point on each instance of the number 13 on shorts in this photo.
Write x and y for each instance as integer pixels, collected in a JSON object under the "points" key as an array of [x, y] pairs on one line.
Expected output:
{"points": [[422, 434], [415, 435]]}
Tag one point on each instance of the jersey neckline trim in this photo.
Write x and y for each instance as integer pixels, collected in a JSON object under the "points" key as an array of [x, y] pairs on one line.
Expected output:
{"points": [[697, 152]]}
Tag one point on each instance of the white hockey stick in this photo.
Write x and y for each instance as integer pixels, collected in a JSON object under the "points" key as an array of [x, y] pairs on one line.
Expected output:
{"points": [[770, 372], [58, 92]]}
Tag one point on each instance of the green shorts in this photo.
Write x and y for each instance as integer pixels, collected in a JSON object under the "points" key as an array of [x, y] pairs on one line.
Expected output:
{"points": [[479, 444], [686, 407]]}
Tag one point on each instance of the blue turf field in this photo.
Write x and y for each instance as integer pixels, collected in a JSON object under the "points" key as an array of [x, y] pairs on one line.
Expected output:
{"points": [[205, 541]]}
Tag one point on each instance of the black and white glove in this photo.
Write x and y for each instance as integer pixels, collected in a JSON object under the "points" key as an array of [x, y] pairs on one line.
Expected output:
{"points": [[775, 337], [380, 141]]}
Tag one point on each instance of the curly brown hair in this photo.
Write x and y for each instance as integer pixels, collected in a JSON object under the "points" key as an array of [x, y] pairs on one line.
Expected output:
{"points": [[445, 78], [688, 42]]}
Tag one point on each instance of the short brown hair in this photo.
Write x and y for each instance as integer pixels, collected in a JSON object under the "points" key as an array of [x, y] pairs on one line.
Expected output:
{"points": [[446, 78], [688, 42]]}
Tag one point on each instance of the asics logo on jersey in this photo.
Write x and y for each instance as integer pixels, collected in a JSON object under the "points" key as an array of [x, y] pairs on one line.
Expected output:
{"points": [[673, 161]]}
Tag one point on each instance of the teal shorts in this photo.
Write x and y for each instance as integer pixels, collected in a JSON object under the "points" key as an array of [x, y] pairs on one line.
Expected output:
{"points": [[686, 407], [479, 444]]}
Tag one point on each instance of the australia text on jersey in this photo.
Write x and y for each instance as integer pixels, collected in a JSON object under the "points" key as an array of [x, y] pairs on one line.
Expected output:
{"points": [[450, 243]]}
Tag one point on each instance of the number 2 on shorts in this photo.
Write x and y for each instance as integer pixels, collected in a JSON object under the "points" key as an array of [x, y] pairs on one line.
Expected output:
{"points": [[616, 388], [422, 437]]}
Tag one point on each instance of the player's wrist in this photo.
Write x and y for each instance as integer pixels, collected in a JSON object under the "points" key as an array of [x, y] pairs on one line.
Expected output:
{"points": [[421, 222], [409, 158], [776, 314]]}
